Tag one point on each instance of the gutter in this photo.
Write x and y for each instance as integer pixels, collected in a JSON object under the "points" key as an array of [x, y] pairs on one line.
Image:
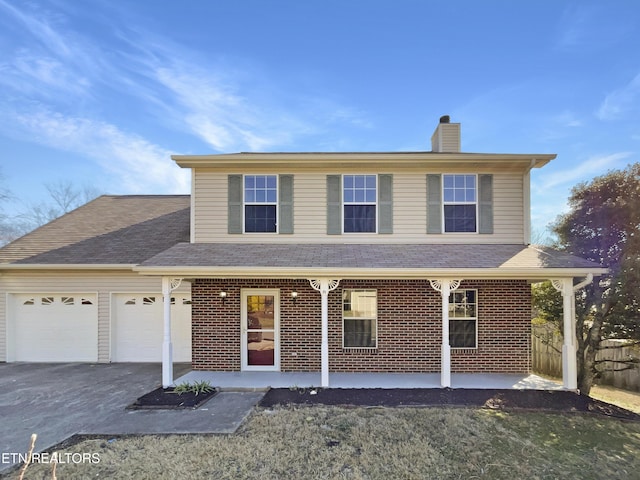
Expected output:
{"points": [[366, 273], [320, 160], [65, 266]]}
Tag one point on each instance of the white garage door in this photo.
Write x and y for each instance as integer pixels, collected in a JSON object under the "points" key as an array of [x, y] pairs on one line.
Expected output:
{"points": [[139, 323], [54, 328]]}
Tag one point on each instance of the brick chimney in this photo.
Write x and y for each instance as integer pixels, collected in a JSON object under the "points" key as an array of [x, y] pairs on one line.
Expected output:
{"points": [[446, 137]]}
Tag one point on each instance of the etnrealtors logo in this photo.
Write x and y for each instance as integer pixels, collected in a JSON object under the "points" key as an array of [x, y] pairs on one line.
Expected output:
{"points": [[50, 457]]}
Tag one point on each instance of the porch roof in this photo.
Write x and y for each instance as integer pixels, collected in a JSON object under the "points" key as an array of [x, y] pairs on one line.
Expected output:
{"points": [[366, 261]]}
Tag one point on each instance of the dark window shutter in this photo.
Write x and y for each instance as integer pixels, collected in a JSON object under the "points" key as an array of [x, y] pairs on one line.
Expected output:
{"points": [[334, 205], [485, 203], [385, 203], [234, 207], [285, 202], [434, 204]]}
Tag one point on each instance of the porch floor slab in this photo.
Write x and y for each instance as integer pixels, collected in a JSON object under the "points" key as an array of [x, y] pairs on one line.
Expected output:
{"points": [[265, 380]]}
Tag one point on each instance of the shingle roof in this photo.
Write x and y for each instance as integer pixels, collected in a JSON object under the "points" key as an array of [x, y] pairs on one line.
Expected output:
{"points": [[152, 231], [363, 256], [123, 229]]}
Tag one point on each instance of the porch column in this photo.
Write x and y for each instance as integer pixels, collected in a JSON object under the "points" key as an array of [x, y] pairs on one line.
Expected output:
{"points": [[445, 286], [168, 286], [569, 361], [324, 286]]}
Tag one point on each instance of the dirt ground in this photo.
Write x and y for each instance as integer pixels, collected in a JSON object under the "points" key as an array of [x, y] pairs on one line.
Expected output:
{"points": [[166, 398], [552, 401]]}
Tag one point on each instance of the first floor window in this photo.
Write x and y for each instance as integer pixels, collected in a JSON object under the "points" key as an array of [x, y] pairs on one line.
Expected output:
{"points": [[359, 318], [463, 319], [260, 203]]}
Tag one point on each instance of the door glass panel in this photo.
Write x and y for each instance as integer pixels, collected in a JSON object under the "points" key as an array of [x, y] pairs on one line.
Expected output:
{"points": [[260, 330]]}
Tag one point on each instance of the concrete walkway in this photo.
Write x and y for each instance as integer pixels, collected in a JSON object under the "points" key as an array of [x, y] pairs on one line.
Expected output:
{"points": [[262, 380], [57, 401]]}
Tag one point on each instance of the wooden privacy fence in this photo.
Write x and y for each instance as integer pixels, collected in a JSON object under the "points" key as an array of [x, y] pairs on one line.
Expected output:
{"points": [[546, 349]]}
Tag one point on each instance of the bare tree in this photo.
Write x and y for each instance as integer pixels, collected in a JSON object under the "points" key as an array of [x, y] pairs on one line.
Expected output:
{"points": [[7, 229], [541, 237], [64, 197]]}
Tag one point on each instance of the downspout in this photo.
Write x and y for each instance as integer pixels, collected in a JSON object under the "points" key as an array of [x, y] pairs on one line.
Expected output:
{"points": [[587, 280], [192, 210], [526, 201]]}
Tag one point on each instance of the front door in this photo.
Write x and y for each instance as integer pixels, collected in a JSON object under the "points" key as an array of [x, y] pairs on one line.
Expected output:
{"points": [[260, 319]]}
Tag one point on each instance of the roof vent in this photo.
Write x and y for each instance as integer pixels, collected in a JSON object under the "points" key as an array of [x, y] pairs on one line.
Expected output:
{"points": [[445, 119]]}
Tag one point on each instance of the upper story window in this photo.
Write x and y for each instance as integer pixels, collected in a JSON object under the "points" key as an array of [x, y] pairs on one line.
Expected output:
{"points": [[260, 203], [359, 193], [460, 200]]}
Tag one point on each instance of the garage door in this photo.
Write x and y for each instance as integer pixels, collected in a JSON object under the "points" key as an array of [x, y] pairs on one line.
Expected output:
{"points": [[139, 323], [54, 328]]}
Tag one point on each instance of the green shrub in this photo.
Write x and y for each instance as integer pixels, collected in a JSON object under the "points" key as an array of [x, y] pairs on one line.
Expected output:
{"points": [[195, 387]]}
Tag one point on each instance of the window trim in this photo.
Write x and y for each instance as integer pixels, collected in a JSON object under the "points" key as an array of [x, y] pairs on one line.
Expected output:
{"points": [[245, 203], [475, 347], [344, 203], [375, 319], [445, 203]]}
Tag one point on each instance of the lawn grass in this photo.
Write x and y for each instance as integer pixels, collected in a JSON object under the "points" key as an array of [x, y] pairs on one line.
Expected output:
{"points": [[616, 396], [376, 443]]}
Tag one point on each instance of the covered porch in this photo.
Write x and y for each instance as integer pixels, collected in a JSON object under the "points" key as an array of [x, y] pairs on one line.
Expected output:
{"points": [[224, 273], [264, 380]]}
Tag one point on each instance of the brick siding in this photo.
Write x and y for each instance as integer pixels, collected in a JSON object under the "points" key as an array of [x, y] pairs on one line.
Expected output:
{"points": [[409, 327]]}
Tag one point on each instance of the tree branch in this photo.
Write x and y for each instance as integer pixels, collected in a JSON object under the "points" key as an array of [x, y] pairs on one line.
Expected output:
{"points": [[548, 342], [617, 347]]}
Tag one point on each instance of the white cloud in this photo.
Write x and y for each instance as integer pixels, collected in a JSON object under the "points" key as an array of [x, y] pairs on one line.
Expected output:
{"points": [[60, 86], [591, 28], [140, 166], [232, 105], [216, 112], [42, 76], [567, 119], [617, 103], [40, 29], [231, 113], [550, 190], [585, 170]]}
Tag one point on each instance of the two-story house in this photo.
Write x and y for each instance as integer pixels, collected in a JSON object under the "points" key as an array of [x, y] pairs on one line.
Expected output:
{"points": [[298, 262]]}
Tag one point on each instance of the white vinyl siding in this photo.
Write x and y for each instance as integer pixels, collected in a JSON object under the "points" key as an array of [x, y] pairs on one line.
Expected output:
{"points": [[210, 212], [508, 209], [3, 326], [103, 283], [310, 210]]}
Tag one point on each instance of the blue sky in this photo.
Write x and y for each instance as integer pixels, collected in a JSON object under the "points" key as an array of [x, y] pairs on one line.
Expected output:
{"points": [[103, 92]]}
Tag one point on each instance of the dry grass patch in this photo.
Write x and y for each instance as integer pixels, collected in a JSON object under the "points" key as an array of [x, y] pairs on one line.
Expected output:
{"points": [[616, 396], [376, 443]]}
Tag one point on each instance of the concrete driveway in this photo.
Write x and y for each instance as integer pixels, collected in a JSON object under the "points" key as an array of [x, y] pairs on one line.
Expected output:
{"points": [[56, 401]]}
